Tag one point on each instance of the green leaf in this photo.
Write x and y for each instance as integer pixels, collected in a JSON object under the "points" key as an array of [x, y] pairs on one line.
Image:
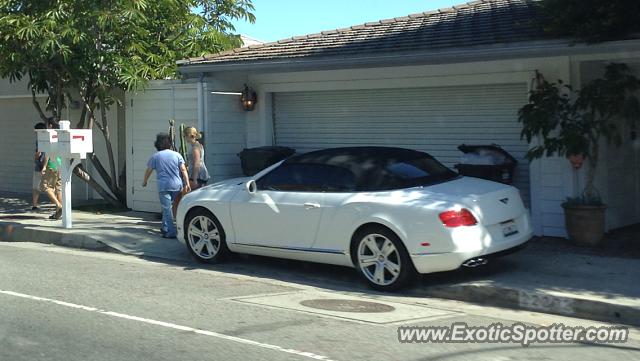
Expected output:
{"points": [[576, 122], [591, 20]]}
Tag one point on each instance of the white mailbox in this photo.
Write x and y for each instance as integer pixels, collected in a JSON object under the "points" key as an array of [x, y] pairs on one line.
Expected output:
{"points": [[47, 140], [74, 142], [71, 145]]}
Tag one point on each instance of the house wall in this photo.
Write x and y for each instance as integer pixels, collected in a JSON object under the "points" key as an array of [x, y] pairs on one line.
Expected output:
{"points": [[552, 178], [17, 117], [549, 178], [100, 150], [226, 126], [219, 117], [148, 113], [618, 178], [10, 89]]}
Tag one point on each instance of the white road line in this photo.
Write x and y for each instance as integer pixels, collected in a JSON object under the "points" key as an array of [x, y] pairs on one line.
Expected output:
{"points": [[170, 325]]}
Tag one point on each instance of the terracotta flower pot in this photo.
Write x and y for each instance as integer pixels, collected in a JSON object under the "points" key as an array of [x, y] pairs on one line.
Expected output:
{"points": [[585, 223], [576, 160]]}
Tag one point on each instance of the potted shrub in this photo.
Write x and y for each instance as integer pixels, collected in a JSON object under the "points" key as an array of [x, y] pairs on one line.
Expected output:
{"points": [[573, 123]]}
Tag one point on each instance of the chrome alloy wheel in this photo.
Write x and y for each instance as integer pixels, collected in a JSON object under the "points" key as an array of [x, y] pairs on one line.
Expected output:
{"points": [[379, 259], [203, 237]]}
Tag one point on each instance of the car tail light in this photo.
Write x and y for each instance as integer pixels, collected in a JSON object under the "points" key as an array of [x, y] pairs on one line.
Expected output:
{"points": [[459, 218]]}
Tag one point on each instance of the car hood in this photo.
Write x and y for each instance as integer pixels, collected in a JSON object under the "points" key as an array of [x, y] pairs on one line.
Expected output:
{"points": [[216, 191], [233, 182]]}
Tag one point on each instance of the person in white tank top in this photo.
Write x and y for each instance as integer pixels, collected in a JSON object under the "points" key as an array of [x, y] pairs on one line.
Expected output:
{"points": [[198, 173]]}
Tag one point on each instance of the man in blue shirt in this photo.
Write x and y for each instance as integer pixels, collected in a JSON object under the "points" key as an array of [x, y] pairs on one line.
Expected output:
{"points": [[172, 178]]}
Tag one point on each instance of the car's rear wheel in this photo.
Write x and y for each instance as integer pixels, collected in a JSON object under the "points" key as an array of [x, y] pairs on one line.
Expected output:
{"points": [[382, 259], [204, 236]]}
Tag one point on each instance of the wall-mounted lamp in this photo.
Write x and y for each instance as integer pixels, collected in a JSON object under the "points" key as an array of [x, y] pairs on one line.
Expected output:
{"points": [[248, 98]]}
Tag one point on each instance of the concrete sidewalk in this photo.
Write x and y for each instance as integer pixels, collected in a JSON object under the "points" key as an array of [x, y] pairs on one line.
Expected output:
{"points": [[134, 233], [546, 276]]}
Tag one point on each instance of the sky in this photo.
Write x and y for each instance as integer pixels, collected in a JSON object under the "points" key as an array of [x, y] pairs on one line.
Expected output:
{"points": [[280, 19]]}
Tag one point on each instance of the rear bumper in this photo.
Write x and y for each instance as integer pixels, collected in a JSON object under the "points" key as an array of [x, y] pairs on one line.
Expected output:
{"points": [[427, 263], [506, 252]]}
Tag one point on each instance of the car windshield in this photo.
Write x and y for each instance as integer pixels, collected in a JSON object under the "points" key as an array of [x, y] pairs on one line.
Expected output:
{"points": [[362, 169]]}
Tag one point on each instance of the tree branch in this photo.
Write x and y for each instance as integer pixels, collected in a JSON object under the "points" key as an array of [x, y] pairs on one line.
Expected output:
{"points": [[95, 161], [81, 173], [107, 140], [36, 104], [83, 116]]}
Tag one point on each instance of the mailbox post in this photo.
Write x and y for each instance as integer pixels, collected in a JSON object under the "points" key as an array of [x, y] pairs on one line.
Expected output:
{"points": [[71, 145]]}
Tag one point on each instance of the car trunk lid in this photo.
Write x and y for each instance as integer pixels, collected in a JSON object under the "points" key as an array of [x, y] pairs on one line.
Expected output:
{"points": [[490, 202]]}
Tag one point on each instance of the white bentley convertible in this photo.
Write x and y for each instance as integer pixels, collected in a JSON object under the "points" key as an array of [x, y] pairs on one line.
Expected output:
{"points": [[388, 212]]}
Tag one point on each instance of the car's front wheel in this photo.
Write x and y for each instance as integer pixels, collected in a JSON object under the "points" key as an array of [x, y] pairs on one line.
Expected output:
{"points": [[204, 236], [381, 258]]}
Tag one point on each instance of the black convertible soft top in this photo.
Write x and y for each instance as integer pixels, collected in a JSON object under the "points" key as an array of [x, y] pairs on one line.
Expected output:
{"points": [[356, 156], [378, 168]]}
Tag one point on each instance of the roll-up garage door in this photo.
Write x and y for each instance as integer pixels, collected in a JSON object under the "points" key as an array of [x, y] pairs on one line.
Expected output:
{"points": [[435, 120]]}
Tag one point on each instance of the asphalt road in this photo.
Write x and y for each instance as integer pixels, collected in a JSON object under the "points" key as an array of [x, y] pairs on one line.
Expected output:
{"points": [[64, 304]]}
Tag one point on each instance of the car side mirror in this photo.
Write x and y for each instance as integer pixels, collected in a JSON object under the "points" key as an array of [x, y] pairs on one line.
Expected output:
{"points": [[251, 187]]}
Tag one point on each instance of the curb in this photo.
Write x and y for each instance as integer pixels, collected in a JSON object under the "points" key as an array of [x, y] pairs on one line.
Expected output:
{"points": [[537, 301], [13, 232]]}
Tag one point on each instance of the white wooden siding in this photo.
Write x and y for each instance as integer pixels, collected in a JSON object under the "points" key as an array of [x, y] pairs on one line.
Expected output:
{"points": [[226, 136], [623, 181], [17, 118], [618, 178], [148, 114], [554, 183], [435, 120], [17, 147]]}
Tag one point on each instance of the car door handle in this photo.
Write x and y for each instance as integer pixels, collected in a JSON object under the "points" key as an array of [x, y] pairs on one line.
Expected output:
{"points": [[311, 205]]}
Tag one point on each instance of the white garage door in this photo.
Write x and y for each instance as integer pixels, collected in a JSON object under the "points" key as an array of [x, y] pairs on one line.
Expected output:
{"points": [[148, 114], [435, 120]]}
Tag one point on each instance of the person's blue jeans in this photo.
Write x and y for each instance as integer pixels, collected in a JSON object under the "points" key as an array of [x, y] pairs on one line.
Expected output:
{"points": [[168, 229]]}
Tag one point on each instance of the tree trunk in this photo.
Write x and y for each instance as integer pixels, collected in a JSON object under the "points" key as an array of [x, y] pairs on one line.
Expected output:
{"points": [[83, 117], [110, 180], [107, 140], [82, 174], [590, 190], [113, 194], [36, 105]]}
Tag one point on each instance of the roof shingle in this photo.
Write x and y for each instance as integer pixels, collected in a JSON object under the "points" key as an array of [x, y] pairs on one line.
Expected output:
{"points": [[480, 22]]}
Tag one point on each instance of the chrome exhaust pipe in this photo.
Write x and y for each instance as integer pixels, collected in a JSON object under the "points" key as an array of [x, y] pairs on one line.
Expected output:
{"points": [[475, 262]]}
